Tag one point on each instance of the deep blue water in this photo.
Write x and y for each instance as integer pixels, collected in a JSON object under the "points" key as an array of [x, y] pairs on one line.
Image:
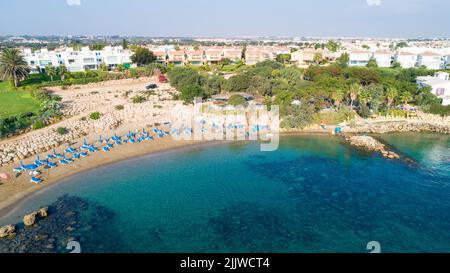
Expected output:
{"points": [[314, 194]]}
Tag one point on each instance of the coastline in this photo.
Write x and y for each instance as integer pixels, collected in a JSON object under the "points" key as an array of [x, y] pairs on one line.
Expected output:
{"points": [[21, 189], [24, 190]]}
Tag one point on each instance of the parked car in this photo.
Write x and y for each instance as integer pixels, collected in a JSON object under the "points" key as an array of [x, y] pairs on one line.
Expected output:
{"points": [[151, 86]]}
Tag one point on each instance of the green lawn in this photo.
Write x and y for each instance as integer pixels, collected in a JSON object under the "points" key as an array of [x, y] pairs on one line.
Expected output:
{"points": [[15, 102]]}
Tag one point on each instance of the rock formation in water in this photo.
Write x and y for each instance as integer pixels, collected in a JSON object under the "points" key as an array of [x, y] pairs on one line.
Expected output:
{"points": [[371, 144], [7, 231]]}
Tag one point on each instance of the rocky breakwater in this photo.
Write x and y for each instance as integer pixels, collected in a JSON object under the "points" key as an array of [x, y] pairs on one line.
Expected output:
{"points": [[370, 144]]}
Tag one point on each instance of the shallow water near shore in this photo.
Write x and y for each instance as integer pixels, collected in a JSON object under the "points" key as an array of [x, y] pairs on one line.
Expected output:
{"points": [[314, 194]]}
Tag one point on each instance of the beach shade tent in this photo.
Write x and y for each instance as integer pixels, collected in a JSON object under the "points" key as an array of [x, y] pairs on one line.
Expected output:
{"points": [[70, 150], [35, 180], [4, 176], [56, 154], [28, 167], [51, 165], [35, 172]]}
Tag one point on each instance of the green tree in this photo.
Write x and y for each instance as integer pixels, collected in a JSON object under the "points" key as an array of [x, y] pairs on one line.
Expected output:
{"points": [[97, 47], [365, 96], [214, 85], [62, 70], [391, 94], [124, 44], [13, 66], [284, 58], [354, 91], [76, 45], [190, 92], [372, 63], [298, 116], [318, 58], [333, 46], [337, 95], [103, 67], [236, 100], [120, 68], [396, 65], [343, 60], [406, 97], [142, 56], [50, 71]]}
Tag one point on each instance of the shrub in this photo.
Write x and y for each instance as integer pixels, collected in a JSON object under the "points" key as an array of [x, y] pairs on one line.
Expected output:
{"points": [[138, 99], [38, 124], [94, 115], [298, 116], [333, 117], [61, 130], [83, 118], [236, 100], [41, 95], [396, 113], [439, 109], [119, 107]]}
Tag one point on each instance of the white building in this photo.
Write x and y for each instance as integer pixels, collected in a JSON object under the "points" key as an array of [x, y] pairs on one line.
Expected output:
{"points": [[359, 58], [406, 59], [431, 60], [440, 85], [383, 58], [76, 61]]}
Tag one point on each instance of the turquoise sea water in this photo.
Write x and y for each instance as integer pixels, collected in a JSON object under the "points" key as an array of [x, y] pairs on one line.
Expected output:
{"points": [[314, 194]]}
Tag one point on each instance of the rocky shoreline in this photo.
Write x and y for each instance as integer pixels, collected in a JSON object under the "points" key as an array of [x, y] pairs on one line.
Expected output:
{"points": [[403, 126], [70, 218]]}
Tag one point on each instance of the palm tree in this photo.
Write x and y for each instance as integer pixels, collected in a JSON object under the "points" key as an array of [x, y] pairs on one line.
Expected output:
{"points": [[318, 58], [50, 70], [62, 70], [391, 94], [337, 96], [364, 96], [354, 91], [13, 66], [406, 97]]}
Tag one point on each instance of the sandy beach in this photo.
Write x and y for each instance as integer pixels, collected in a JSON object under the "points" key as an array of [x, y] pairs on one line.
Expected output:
{"points": [[19, 188], [79, 102]]}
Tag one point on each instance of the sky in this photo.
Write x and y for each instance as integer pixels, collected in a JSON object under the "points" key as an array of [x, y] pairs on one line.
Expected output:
{"points": [[228, 18]]}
